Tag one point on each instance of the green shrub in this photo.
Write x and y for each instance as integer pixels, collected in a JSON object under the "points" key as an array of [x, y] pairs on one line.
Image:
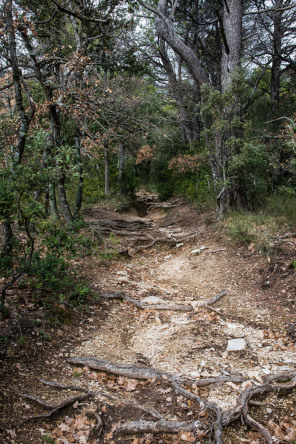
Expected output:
{"points": [[252, 229]]}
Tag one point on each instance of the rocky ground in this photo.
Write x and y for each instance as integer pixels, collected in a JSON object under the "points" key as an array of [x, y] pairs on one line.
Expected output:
{"points": [[189, 335]]}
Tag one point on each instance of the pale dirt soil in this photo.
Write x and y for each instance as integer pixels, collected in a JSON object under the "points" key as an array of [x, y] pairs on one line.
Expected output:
{"points": [[259, 306]]}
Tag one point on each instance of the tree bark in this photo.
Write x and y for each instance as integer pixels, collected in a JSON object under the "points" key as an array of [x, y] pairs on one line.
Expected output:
{"points": [[107, 169], [78, 200], [67, 215], [121, 161], [231, 57], [165, 29], [189, 132], [232, 27], [52, 200], [7, 237], [276, 60]]}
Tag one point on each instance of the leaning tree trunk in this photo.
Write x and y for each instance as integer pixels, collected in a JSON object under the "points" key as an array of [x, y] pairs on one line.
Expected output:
{"points": [[232, 40], [107, 169]]}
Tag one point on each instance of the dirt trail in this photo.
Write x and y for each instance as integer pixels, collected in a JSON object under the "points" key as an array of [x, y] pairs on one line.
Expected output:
{"points": [[192, 344]]}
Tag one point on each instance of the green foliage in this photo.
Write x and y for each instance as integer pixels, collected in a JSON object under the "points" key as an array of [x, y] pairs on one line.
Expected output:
{"points": [[48, 439], [255, 230], [251, 166], [22, 340], [282, 206]]}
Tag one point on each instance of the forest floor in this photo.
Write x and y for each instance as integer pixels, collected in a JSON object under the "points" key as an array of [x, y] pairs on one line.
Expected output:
{"points": [[167, 306]]}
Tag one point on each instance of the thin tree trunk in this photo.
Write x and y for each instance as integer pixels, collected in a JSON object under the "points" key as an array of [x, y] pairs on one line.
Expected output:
{"points": [[276, 61], [67, 215], [107, 169], [121, 160], [7, 237], [52, 200], [78, 200]]}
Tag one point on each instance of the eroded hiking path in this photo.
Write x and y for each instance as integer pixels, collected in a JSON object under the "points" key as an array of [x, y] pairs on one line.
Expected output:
{"points": [[153, 356]]}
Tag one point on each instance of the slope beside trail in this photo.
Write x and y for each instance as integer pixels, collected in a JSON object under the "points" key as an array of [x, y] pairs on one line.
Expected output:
{"points": [[172, 259]]}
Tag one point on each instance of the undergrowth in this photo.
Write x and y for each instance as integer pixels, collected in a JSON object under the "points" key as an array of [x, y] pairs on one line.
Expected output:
{"points": [[257, 230]]}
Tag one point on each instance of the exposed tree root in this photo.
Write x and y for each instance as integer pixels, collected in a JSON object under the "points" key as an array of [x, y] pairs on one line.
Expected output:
{"points": [[222, 418], [161, 426], [173, 307], [142, 372], [122, 227], [163, 205], [128, 370], [98, 429], [172, 241], [214, 299], [144, 305], [56, 408], [38, 401]]}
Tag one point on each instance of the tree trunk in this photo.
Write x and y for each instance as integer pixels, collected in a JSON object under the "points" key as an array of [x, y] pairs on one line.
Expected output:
{"points": [[78, 200], [67, 215], [231, 57], [276, 60], [121, 160], [165, 29], [52, 200], [107, 169], [7, 237], [189, 131], [232, 26]]}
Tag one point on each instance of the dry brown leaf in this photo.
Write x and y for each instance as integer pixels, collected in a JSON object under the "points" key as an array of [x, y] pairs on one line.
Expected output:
{"points": [[131, 385], [64, 427], [276, 430]]}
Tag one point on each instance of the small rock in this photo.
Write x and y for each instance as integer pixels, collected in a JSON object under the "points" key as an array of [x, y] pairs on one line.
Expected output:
{"points": [[233, 386], [179, 245], [236, 344], [289, 361], [195, 374], [254, 374], [167, 257], [198, 250], [247, 384], [193, 252]]}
